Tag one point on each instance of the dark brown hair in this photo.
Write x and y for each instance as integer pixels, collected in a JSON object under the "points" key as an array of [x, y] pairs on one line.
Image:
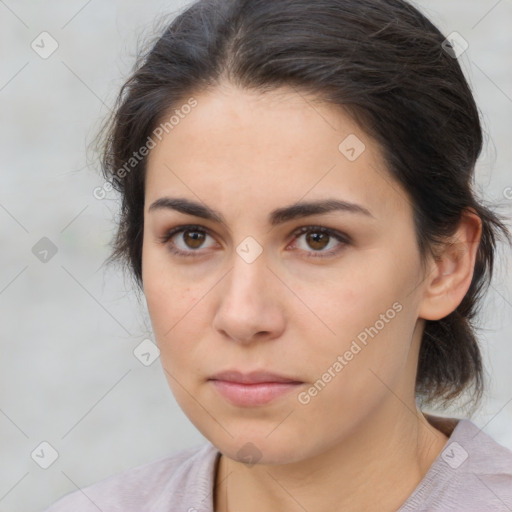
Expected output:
{"points": [[386, 64]]}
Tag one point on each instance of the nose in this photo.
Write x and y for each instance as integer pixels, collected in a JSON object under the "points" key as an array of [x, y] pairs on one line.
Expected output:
{"points": [[250, 302]]}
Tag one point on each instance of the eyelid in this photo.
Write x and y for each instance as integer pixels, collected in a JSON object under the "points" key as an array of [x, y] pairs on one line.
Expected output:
{"points": [[186, 227], [322, 229], [164, 239], [341, 237]]}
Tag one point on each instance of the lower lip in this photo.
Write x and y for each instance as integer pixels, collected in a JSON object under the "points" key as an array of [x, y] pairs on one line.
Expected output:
{"points": [[253, 394]]}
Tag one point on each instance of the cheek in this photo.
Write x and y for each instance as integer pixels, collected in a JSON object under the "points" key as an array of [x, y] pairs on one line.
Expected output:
{"points": [[367, 313], [170, 302], [173, 309], [352, 299], [174, 313], [353, 372], [167, 295]]}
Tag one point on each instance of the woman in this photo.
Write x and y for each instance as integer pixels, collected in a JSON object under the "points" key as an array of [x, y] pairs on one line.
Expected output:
{"points": [[297, 207]]}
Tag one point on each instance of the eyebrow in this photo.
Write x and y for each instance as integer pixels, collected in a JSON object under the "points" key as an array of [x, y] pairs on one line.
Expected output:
{"points": [[277, 216]]}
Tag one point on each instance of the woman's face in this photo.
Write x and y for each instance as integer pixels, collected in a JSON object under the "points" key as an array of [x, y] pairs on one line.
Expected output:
{"points": [[248, 292]]}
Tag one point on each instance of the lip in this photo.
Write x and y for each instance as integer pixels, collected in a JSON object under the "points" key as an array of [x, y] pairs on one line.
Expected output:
{"points": [[253, 377], [254, 388]]}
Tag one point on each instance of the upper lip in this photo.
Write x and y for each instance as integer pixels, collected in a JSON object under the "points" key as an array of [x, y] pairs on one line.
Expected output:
{"points": [[251, 377]]}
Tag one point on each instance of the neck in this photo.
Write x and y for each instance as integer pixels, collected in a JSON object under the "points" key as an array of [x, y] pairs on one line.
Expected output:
{"points": [[374, 468]]}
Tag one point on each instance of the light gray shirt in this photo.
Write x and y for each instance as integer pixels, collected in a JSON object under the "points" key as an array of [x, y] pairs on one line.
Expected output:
{"points": [[473, 473]]}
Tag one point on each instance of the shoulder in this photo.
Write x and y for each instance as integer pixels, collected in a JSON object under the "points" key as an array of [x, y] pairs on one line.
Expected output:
{"points": [[473, 452], [173, 481], [473, 473]]}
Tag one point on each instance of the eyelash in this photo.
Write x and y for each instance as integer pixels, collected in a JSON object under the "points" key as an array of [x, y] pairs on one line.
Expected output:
{"points": [[340, 237]]}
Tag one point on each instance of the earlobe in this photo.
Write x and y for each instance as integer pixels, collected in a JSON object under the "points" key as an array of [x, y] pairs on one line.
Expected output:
{"points": [[451, 272]]}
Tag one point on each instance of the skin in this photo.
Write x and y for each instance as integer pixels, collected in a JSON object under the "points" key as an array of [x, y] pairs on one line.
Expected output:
{"points": [[360, 443]]}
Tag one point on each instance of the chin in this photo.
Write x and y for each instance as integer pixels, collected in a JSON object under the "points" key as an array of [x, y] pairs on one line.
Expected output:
{"points": [[261, 448]]}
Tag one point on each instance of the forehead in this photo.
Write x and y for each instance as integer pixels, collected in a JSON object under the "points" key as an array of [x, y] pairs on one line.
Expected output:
{"points": [[248, 149]]}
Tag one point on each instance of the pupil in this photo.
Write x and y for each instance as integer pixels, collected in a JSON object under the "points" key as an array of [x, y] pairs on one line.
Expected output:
{"points": [[197, 239], [316, 240]]}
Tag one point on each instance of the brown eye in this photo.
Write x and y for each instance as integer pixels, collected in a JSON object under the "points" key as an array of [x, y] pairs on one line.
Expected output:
{"points": [[318, 238], [193, 238], [317, 241], [188, 240], [185, 241]]}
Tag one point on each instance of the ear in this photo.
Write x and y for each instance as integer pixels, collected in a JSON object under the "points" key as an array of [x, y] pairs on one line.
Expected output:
{"points": [[451, 272]]}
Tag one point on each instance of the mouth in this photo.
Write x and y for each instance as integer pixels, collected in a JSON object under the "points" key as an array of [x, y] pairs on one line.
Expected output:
{"points": [[254, 388]]}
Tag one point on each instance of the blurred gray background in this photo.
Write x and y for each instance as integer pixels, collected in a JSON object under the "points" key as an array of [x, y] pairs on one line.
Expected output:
{"points": [[69, 325]]}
